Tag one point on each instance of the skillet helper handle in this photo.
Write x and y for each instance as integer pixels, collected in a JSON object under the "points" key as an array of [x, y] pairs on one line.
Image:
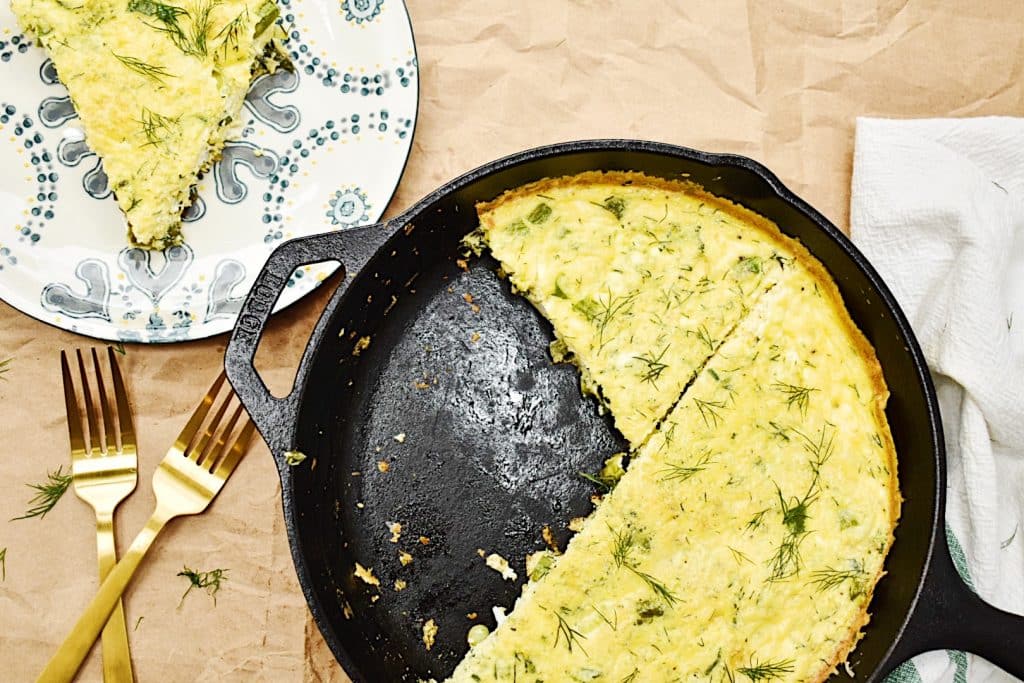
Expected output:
{"points": [[276, 417], [949, 615]]}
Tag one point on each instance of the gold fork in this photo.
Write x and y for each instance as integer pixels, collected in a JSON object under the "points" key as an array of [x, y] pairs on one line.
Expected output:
{"points": [[186, 480], [104, 472]]}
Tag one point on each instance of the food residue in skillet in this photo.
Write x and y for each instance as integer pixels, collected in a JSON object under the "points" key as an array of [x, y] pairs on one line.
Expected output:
{"points": [[366, 575], [429, 633]]}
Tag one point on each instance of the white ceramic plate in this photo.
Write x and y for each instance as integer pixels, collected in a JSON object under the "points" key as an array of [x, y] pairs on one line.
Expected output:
{"points": [[322, 149]]}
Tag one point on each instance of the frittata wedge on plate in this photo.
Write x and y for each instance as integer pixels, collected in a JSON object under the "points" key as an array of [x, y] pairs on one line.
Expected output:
{"points": [[746, 538], [157, 87]]}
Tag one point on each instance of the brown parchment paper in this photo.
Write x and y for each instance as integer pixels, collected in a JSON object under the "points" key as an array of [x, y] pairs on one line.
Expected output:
{"points": [[780, 81]]}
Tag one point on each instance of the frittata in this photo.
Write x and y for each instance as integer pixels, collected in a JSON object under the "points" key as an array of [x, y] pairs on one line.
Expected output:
{"points": [[640, 281], [156, 86], [746, 537]]}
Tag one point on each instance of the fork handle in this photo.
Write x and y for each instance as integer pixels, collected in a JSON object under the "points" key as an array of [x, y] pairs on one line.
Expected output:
{"points": [[117, 663], [69, 657]]}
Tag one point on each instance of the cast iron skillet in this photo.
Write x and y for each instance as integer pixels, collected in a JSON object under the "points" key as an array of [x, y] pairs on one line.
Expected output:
{"points": [[493, 435]]}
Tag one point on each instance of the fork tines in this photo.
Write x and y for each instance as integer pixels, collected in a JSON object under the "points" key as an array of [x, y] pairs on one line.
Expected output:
{"points": [[213, 444], [112, 414]]}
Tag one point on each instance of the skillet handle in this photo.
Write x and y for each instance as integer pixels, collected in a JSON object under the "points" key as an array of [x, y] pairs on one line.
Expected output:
{"points": [[949, 615], [276, 418]]}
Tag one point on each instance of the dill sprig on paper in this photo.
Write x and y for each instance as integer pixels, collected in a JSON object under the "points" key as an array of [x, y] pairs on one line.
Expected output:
{"points": [[3, 564], [47, 493], [5, 367], [210, 580]]}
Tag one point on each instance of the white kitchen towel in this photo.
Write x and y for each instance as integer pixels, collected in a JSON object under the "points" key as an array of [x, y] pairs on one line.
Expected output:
{"points": [[937, 206]]}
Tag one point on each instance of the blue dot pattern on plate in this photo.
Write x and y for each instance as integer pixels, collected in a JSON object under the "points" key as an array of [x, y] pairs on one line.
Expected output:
{"points": [[361, 10], [16, 44], [349, 208], [43, 174], [302, 148], [346, 82]]}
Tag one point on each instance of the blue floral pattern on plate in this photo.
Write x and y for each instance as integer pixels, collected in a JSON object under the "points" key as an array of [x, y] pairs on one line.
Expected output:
{"points": [[319, 148]]}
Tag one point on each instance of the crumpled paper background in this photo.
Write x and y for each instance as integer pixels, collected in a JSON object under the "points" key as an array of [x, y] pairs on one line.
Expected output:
{"points": [[779, 81]]}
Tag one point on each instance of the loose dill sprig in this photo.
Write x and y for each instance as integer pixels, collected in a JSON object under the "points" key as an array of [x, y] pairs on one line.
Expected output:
{"points": [[193, 39], [165, 15], [200, 29], [718, 659], [657, 587], [766, 671], [781, 260], [47, 493], [676, 472], [779, 431], [704, 337], [210, 580], [828, 578], [571, 635], [739, 555], [756, 520], [157, 128], [670, 296], [614, 626], [1006, 544], [600, 312], [786, 561], [821, 447], [157, 73], [5, 366], [795, 395], [606, 485], [622, 546], [3, 564], [232, 31], [654, 366], [709, 411], [614, 205], [631, 677]]}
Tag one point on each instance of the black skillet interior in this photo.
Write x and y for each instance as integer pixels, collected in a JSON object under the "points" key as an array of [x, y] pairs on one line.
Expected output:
{"points": [[454, 423]]}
